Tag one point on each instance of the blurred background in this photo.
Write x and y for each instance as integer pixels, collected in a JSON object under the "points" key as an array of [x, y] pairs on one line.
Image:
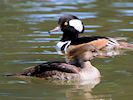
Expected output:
{"points": [[24, 42]]}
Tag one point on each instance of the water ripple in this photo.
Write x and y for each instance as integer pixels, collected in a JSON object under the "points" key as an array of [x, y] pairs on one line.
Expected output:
{"points": [[90, 31], [122, 4], [35, 18], [26, 62], [130, 22], [126, 12], [39, 40], [48, 9], [40, 9], [124, 72], [90, 6], [114, 20], [129, 30], [46, 39], [66, 7], [17, 82], [5, 94], [38, 34], [93, 26], [71, 2], [83, 15], [33, 53]]}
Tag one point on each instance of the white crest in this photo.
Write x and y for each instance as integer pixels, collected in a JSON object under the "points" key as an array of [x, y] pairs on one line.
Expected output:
{"points": [[77, 24]]}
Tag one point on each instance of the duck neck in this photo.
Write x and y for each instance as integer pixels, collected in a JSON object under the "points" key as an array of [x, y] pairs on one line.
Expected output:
{"points": [[86, 65], [68, 36]]}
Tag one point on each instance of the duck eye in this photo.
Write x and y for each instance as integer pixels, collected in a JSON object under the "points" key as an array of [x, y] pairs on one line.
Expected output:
{"points": [[66, 23]]}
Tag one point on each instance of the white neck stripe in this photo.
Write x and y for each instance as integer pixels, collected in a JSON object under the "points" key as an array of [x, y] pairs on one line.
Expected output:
{"points": [[60, 44]]}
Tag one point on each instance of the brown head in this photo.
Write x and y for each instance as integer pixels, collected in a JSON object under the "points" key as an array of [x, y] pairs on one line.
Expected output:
{"points": [[81, 54]]}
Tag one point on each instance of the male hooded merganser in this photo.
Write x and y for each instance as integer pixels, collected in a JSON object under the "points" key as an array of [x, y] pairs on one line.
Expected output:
{"points": [[72, 26], [79, 67]]}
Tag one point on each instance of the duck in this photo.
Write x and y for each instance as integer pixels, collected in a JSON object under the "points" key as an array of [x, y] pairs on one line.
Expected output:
{"points": [[77, 67], [72, 26]]}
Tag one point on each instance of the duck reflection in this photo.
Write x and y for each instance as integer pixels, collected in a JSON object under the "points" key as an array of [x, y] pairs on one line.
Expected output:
{"points": [[75, 90], [84, 92]]}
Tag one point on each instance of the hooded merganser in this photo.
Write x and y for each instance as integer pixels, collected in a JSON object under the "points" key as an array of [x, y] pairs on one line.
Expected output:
{"points": [[79, 67], [72, 26]]}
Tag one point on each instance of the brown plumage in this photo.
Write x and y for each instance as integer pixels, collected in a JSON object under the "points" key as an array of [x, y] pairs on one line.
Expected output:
{"points": [[77, 68], [76, 54], [98, 44]]}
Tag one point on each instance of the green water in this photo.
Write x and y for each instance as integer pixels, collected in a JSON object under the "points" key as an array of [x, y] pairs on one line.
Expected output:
{"points": [[25, 42]]}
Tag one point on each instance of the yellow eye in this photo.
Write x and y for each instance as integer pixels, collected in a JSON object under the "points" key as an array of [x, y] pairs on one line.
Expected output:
{"points": [[65, 23]]}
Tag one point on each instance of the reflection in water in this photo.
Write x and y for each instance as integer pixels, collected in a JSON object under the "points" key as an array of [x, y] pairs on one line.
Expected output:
{"points": [[75, 90], [84, 93]]}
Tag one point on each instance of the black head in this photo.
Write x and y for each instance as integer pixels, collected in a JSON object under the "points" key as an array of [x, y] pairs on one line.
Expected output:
{"points": [[64, 18], [69, 24]]}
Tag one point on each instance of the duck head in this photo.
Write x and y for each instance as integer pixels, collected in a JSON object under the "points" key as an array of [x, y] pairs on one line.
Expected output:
{"points": [[70, 25], [81, 55]]}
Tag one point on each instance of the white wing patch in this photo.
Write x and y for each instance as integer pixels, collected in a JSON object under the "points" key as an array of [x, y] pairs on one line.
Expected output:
{"points": [[77, 24]]}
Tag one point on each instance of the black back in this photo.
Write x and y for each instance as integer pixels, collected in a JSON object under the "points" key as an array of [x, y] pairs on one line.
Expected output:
{"points": [[81, 40]]}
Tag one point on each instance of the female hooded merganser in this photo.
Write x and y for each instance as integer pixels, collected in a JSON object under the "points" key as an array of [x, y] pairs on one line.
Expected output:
{"points": [[72, 26], [79, 68]]}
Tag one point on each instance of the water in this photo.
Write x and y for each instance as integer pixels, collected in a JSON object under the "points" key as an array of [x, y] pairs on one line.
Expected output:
{"points": [[26, 42]]}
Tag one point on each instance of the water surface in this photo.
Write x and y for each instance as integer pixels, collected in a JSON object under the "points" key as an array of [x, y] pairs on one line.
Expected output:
{"points": [[24, 42]]}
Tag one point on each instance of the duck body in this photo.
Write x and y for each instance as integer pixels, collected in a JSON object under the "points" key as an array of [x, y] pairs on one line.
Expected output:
{"points": [[101, 43], [52, 70], [60, 71], [76, 67], [72, 27]]}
